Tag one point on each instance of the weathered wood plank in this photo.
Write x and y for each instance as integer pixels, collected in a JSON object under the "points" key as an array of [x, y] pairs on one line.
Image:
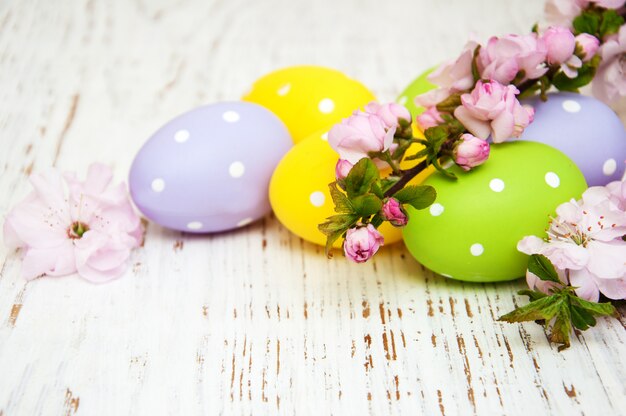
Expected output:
{"points": [[254, 321]]}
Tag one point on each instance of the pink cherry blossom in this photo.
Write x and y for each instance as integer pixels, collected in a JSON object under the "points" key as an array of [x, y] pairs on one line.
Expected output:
{"points": [[609, 4], [342, 168], [503, 58], [589, 45], [470, 151], [394, 213], [360, 134], [560, 43], [362, 243], [609, 83], [429, 118], [492, 109], [390, 113], [585, 244], [563, 12], [451, 77], [87, 227]]}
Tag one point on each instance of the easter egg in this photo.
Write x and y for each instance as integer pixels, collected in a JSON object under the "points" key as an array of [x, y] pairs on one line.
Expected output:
{"points": [[419, 86], [309, 98], [472, 230], [583, 128], [209, 169]]}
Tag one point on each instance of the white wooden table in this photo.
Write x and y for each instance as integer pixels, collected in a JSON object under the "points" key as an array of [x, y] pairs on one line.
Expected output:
{"points": [[254, 321]]}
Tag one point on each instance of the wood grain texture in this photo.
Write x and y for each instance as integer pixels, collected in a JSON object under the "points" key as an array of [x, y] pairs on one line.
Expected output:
{"points": [[254, 321]]}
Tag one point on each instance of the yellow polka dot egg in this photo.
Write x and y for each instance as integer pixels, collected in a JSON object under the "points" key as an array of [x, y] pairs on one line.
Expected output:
{"points": [[309, 98], [299, 192]]}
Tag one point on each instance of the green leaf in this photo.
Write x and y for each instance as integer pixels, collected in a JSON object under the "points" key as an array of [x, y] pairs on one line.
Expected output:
{"points": [[564, 308], [585, 75], [540, 266], [562, 326], [377, 189], [587, 22], [598, 309], [361, 177], [611, 22], [446, 172], [341, 201], [339, 222], [366, 205], [388, 183], [377, 220], [581, 318], [418, 196], [334, 227], [540, 309]]}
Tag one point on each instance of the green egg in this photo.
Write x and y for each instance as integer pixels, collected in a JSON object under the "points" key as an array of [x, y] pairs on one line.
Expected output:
{"points": [[419, 86], [472, 230]]}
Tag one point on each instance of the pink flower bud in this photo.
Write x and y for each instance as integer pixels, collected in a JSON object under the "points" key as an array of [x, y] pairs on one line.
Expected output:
{"points": [[360, 134], [501, 59], [390, 113], [362, 243], [470, 151], [493, 109], [589, 45], [342, 168], [393, 212], [560, 44], [429, 118]]}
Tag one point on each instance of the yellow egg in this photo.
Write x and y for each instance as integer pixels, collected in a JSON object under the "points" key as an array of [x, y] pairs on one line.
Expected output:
{"points": [[299, 190], [309, 98]]}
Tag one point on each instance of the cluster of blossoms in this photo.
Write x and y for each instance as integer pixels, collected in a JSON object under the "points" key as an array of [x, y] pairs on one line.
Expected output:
{"points": [[586, 244], [476, 104], [86, 227]]}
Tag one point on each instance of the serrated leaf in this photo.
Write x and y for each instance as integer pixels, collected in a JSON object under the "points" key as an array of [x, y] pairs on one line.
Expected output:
{"points": [[366, 205], [341, 201], [587, 22], [610, 24], [418, 196], [334, 227], [340, 222], [541, 266], [562, 326], [582, 319], [598, 309], [541, 309], [361, 177]]}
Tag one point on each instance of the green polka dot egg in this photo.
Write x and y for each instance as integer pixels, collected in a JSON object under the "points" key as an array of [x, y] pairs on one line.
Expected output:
{"points": [[472, 230]]}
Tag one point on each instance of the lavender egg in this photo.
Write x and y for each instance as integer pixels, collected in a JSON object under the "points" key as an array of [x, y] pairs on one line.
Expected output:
{"points": [[583, 128], [208, 170]]}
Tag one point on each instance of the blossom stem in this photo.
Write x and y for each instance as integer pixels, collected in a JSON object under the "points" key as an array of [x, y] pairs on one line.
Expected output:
{"points": [[407, 175]]}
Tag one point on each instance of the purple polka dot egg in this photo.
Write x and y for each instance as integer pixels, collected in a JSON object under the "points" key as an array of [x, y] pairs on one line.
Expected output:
{"points": [[208, 170], [585, 129]]}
